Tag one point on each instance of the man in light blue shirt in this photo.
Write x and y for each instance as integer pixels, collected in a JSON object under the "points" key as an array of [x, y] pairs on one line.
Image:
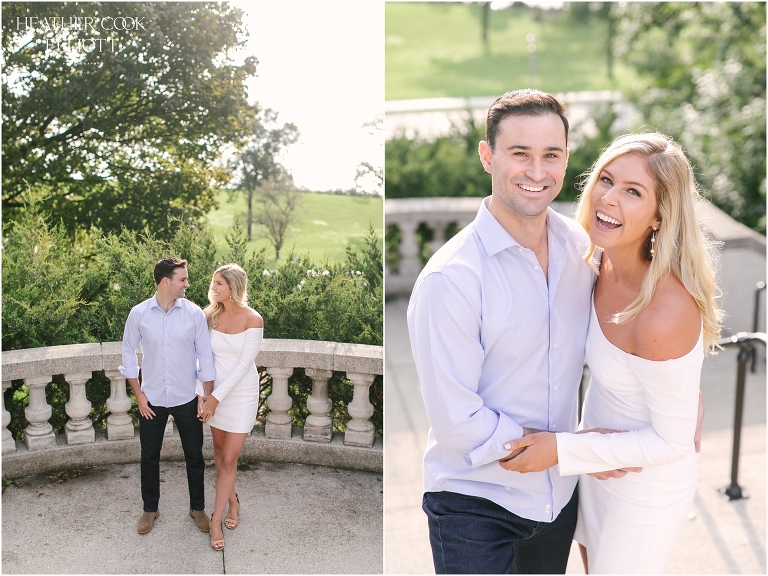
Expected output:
{"points": [[174, 339], [498, 321]]}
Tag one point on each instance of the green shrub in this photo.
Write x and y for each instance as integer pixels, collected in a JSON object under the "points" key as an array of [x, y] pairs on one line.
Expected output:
{"points": [[59, 290], [437, 167]]}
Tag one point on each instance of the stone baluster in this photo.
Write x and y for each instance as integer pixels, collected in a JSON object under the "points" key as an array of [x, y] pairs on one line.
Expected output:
{"points": [[360, 431], [438, 234], [9, 444], [410, 265], [317, 427], [119, 422], [79, 428], [38, 435], [279, 402]]}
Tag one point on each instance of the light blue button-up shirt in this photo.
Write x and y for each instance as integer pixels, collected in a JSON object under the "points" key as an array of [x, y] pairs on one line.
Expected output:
{"points": [[173, 344], [499, 349]]}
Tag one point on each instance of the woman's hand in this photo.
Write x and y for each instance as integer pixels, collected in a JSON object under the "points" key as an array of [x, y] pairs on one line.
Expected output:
{"points": [[539, 452], [209, 407]]}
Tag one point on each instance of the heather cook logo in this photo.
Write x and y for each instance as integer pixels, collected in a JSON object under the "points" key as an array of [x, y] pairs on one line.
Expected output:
{"points": [[60, 27]]}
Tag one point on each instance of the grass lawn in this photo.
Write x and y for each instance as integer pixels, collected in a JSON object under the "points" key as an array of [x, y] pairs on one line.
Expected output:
{"points": [[325, 223], [436, 50]]}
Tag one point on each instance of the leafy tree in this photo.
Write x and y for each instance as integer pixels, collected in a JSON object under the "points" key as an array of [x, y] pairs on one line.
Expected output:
{"points": [[258, 162], [367, 173], [123, 132], [277, 200], [582, 12], [704, 79]]}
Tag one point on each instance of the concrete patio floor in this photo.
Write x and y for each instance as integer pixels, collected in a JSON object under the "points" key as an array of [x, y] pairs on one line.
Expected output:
{"points": [[295, 519]]}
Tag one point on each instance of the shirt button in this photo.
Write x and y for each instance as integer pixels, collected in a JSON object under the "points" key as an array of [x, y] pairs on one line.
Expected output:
{"points": [[555, 386], [536, 268], [548, 506], [553, 345], [554, 426]]}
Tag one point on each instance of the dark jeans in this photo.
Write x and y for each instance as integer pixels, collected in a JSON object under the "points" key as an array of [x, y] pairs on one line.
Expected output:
{"points": [[471, 535], [191, 434]]}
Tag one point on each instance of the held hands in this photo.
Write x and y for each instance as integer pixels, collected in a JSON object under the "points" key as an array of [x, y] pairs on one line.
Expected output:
{"points": [[206, 407]]}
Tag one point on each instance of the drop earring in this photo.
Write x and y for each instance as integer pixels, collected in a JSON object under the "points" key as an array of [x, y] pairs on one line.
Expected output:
{"points": [[653, 241]]}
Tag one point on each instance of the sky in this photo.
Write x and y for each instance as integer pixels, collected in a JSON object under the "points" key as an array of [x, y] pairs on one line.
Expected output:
{"points": [[321, 66]]}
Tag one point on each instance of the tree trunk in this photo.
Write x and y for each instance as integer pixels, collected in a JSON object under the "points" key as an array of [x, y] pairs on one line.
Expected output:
{"points": [[486, 11], [611, 34], [250, 213]]}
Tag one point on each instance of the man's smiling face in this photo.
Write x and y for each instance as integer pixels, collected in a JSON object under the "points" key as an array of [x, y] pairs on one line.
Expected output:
{"points": [[527, 163]]}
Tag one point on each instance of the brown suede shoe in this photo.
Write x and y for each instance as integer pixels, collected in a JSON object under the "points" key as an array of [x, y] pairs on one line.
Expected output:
{"points": [[147, 521], [201, 520]]}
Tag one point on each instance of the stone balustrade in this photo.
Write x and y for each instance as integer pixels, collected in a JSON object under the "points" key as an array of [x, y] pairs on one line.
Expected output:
{"points": [[279, 358], [438, 215], [742, 258]]}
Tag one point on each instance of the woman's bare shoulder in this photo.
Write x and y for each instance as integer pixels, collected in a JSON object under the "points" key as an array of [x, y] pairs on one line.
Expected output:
{"points": [[670, 325], [252, 318]]}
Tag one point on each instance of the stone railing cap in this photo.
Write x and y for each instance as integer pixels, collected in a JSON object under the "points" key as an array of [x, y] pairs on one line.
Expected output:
{"points": [[359, 358], [51, 360], [280, 353], [275, 353]]}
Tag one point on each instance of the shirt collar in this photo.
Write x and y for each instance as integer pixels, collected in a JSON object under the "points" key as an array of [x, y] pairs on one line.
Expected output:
{"points": [[495, 238], [153, 303]]}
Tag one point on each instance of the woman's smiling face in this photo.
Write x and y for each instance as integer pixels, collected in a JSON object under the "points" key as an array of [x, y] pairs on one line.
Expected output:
{"points": [[623, 204], [220, 290]]}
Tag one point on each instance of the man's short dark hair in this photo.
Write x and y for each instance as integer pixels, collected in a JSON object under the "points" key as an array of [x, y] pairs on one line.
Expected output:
{"points": [[526, 102], [166, 268]]}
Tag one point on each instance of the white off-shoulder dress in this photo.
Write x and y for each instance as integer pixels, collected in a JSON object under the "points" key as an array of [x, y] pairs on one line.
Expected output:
{"points": [[237, 380], [630, 524]]}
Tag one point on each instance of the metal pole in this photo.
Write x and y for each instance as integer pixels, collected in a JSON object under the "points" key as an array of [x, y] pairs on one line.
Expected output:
{"points": [[758, 289], [733, 491]]}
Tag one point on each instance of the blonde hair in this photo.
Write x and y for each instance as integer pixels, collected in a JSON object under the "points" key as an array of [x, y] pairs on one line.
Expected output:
{"points": [[681, 246], [237, 280]]}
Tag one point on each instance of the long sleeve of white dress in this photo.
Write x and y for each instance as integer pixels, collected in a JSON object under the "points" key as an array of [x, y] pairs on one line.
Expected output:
{"points": [[671, 390], [251, 347]]}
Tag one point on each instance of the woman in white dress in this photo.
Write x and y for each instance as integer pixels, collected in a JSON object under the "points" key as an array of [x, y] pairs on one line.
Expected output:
{"points": [[654, 316], [236, 336]]}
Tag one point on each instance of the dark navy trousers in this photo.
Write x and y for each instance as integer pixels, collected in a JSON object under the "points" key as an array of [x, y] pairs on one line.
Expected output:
{"points": [[471, 535], [151, 433]]}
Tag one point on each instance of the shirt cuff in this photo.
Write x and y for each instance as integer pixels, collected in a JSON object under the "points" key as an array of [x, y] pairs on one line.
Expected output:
{"points": [[493, 449], [128, 373], [206, 376]]}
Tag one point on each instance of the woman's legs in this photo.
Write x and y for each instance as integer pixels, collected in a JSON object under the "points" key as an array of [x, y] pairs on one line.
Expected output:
{"points": [[583, 550], [226, 450]]}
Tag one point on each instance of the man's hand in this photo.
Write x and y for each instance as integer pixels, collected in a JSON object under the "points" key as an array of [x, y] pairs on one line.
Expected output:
{"points": [[144, 409], [619, 473], [200, 402], [141, 398], [535, 452], [699, 420]]}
